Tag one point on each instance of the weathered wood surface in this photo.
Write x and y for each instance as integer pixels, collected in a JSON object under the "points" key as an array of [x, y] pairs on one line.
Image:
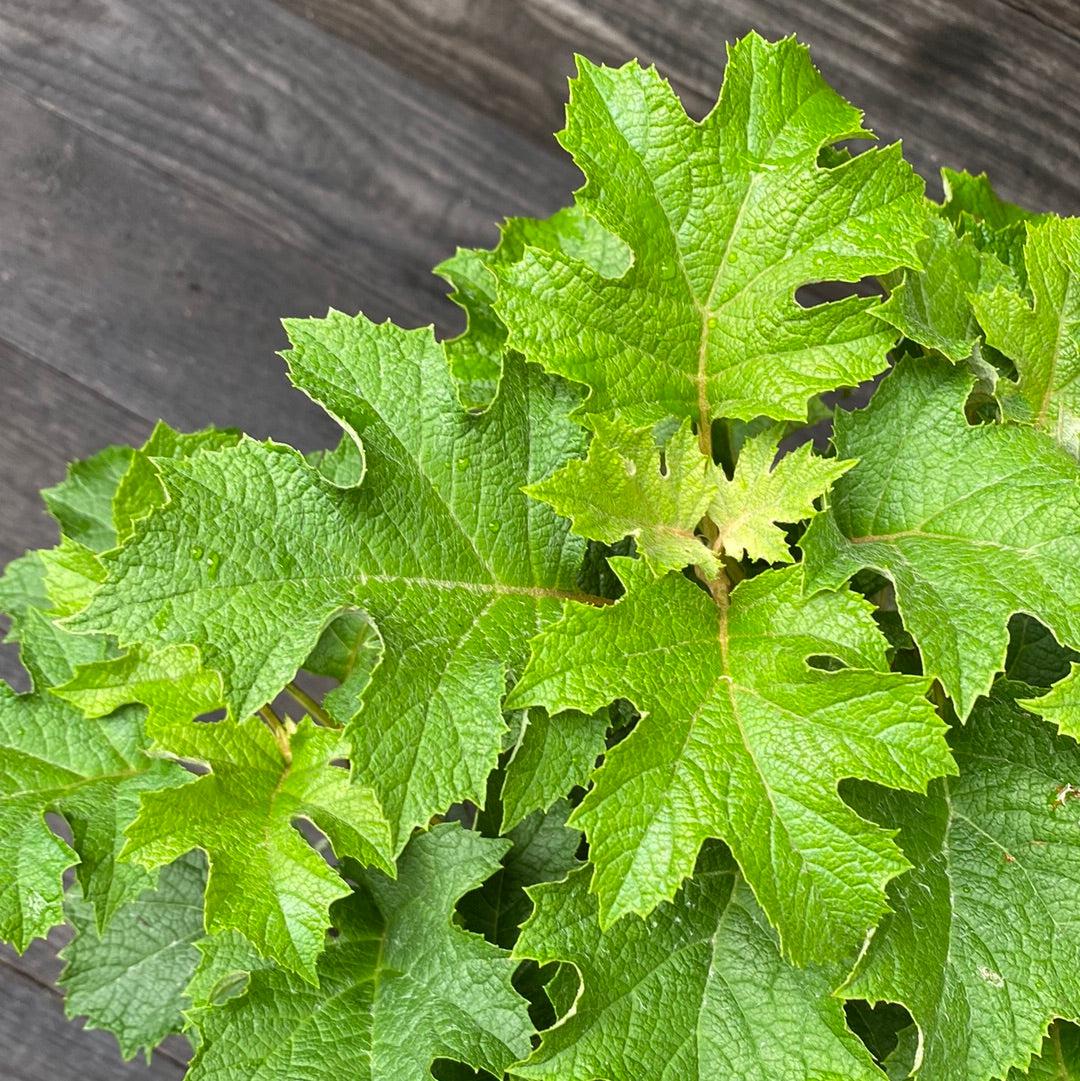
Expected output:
{"points": [[175, 175], [983, 84]]}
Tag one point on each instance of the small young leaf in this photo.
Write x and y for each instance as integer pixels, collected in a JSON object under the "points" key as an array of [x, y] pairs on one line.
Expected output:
{"points": [[746, 508], [624, 488]]}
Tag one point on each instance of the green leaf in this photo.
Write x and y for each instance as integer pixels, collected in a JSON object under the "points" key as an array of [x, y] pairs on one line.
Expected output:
{"points": [[1042, 338], [741, 739], [226, 962], [91, 772], [542, 850], [760, 494], [170, 682], [265, 880], [933, 306], [996, 226], [476, 356], [256, 552], [1061, 705], [551, 756], [726, 219], [72, 573], [624, 488], [22, 587], [971, 523], [697, 991], [140, 490], [1060, 1057], [398, 987], [130, 979], [82, 502], [349, 650], [49, 653], [983, 945]]}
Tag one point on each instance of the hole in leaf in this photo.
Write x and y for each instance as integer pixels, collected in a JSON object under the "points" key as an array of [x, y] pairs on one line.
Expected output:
{"points": [[815, 293], [885, 1028]]}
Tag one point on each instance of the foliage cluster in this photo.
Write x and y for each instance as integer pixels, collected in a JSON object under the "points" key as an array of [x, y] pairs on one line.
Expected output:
{"points": [[659, 714]]}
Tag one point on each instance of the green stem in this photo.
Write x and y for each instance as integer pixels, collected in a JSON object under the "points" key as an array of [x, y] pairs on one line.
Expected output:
{"points": [[313, 707], [279, 731]]}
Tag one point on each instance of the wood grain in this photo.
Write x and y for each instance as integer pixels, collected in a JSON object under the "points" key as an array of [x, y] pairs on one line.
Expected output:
{"points": [[49, 419], [334, 152], [152, 296], [986, 84]]}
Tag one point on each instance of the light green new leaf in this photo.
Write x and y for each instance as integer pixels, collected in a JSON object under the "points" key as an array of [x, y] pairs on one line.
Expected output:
{"points": [[256, 552], [741, 739], [983, 945], [933, 306], [971, 523], [130, 978], [1061, 706], [398, 987], [72, 574], [91, 772], [140, 491], [551, 756], [476, 356], [698, 991], [265, 880], [1043, 337], [759, 494], [726, 219], [82, 502], [624, 488], [170, 682]]}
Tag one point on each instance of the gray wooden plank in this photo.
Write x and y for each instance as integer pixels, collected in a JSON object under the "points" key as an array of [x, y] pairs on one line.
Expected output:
{"points": [[986, 84], [49, 420], [328, 148], [1060, 15], [144, 291], [37, 1042]]}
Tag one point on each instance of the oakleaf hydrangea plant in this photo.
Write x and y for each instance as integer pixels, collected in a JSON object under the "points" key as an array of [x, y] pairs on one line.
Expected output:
{"points": [[658, 707]]}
